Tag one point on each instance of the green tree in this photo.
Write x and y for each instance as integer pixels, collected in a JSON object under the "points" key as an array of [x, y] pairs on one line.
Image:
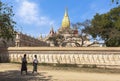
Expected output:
{"points": [[107, 27], [117, 1], [82, 27], [6, 21]]}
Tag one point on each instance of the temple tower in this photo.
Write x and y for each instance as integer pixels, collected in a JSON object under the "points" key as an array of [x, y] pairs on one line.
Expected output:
{"points": [[66, 20]]}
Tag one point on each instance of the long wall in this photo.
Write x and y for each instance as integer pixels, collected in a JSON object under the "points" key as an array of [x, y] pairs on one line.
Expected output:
{"points": [[83, 55]]}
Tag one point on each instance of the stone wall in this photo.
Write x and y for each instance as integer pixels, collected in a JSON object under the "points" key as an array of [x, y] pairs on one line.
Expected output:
{"points": [[84, 55]]}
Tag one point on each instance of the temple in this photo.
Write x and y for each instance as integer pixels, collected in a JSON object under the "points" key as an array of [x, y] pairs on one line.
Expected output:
{"points": [[65, 36]]}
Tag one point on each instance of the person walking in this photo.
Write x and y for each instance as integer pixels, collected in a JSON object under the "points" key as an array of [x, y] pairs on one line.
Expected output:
{"points": [[35, 63], [24, 64]]}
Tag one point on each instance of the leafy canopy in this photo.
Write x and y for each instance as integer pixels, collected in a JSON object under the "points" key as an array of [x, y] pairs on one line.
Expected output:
{"points": [[107, 27], [6, 22], [117, 1]]}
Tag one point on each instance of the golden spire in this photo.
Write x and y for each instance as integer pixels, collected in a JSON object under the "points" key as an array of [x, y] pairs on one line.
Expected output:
{"points": [[66, 21]]}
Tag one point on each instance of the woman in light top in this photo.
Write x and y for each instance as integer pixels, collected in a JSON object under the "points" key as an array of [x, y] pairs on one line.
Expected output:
{"points": [[35, 63]]}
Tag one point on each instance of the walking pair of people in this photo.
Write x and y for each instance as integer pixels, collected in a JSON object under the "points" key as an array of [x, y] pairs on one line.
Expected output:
{"points": [[24, 64]]}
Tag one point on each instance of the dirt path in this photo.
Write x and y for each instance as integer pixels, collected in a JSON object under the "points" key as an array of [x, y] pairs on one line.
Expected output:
{"points": [[11, 72]]}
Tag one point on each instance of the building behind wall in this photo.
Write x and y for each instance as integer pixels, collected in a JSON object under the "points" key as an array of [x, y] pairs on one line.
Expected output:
{"points": [[22, 40], [67, 36], [64, 37], [7, 43]]}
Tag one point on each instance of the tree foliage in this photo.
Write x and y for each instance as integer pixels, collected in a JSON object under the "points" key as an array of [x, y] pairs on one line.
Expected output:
{"points": [[82, 27], [116, 1], [57, 39], [107, 26], [6, 22]]}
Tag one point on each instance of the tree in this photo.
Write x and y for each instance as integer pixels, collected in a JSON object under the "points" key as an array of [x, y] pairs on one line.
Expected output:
{"points": [[107, 27], [117, 1], [6, 22], [81, 27], [57, 39]]}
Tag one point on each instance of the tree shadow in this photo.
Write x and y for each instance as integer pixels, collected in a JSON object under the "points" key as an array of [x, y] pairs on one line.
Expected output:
{"points": [[4, 55], [14, 75]]}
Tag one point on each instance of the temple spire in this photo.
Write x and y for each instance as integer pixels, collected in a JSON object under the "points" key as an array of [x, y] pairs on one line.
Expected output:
{"points": [[66, 21], [52, 31], [66, 13]]}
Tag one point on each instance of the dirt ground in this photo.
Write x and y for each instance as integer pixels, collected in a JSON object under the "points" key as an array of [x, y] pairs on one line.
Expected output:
{"points": [[11, 72]]}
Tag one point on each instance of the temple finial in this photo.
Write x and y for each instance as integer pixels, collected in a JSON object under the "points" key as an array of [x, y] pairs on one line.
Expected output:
{"points": [[66, 11]]}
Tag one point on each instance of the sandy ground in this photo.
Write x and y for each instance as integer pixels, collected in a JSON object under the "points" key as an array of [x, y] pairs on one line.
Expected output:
{"points": [[11, 72]]}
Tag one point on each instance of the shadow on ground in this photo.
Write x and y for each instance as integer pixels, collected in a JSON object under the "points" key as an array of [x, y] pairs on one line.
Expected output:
{"points": [[14, 75]]}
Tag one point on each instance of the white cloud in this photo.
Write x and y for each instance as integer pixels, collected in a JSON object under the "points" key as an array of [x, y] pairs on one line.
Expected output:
{"points": [[20, 0], [29, 13]]}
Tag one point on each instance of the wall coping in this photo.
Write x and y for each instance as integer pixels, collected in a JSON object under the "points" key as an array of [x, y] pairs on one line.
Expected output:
{"points": [[63, 49]]}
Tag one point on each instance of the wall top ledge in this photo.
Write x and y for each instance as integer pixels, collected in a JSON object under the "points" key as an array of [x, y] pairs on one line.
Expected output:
{"points": [[63, 49]]}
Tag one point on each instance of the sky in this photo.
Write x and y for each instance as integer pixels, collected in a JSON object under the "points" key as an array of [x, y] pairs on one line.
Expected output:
{"points": [[36, 17]]}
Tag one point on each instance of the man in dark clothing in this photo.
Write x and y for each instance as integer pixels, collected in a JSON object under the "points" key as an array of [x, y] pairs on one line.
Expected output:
{"points": [[24, 64]]}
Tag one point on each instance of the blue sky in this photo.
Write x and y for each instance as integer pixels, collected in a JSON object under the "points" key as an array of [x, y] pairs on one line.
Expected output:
{"points": [[36, 17]]}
